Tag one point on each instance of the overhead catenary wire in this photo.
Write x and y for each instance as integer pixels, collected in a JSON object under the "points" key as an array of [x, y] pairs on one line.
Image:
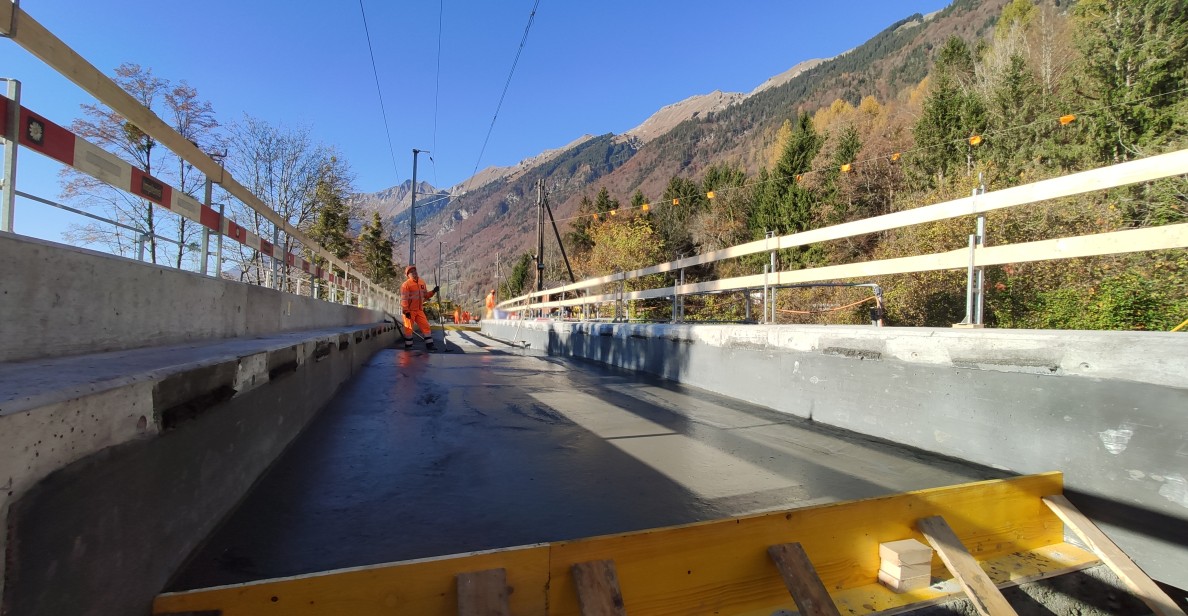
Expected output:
{"points": [[437, 88], [380, 93], [506, 86]]}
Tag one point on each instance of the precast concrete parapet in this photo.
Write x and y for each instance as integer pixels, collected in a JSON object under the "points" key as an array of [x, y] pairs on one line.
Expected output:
{"points": [[59, 300], [115, 466], [1109, 409]]}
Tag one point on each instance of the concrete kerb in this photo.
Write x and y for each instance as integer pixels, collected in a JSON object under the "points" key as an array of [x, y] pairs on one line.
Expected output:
{"points": [[129, 401], [1107, 408]]}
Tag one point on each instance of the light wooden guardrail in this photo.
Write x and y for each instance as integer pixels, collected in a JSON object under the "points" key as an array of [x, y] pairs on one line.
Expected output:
{"points": [[1117, 242], [37, 40]]}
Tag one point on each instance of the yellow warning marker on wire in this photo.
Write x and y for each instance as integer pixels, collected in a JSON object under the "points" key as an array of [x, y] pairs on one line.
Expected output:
{"points": [[676, 201], [845, 168], [975, 140], [645, 207], [709, 195], [895, 157], [1065, 120]]}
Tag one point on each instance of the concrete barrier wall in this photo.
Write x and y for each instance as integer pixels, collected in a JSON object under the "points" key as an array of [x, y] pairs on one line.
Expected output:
{"points": [[59, 300], [113, 484], [1109, 409], [138, 403]]}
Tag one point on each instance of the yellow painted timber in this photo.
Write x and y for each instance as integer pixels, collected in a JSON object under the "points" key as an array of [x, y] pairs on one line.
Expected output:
{"points": [[723, 565], [415, 587], [719, 566]]}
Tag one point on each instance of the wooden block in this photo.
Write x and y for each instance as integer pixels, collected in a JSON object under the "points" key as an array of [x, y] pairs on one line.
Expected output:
{"points": [[809, 594], [978, 587], [598, 588], [1135, 579], [903, 572], [483, 593], [905, 552], [905, 584]]}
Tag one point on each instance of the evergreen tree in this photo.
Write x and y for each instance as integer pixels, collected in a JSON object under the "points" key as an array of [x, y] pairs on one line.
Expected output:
{"points": [[332, 219], [376, 249], [517, 282], [952, 113], [1135, 55], [784, 204], [724, 221], [672, 220], [579, 239], [1013, 111]]}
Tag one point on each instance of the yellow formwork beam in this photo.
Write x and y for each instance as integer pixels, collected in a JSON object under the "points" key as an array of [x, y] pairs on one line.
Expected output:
{"points": [[719, 566]]}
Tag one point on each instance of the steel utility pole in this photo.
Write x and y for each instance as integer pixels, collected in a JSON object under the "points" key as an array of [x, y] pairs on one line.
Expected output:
{"points": [[412, 213], [540, 235]]}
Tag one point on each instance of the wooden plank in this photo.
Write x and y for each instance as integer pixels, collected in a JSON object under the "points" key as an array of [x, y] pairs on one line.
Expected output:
{"points": [[978, 587], [598, 588], [1135, 578], [424, 586], [810, 595], [483, 593], [1117, 242], [1122, 174]]}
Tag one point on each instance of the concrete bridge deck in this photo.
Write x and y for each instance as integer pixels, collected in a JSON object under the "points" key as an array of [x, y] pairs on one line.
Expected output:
{"points": [[490, 446]]}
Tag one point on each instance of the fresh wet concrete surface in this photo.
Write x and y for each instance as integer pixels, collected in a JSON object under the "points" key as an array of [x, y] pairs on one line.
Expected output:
{"points": [[489, 446]]}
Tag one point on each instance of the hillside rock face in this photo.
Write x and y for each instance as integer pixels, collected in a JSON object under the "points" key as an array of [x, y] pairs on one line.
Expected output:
{"points": [[488, 221]]}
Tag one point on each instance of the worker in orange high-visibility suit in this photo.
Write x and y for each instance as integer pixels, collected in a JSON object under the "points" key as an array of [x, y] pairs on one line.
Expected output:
{"points": [[490, 305], [413, 294]]}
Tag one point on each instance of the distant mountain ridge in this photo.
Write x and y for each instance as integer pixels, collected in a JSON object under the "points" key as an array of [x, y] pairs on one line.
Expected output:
{"points": [[494, 222]]}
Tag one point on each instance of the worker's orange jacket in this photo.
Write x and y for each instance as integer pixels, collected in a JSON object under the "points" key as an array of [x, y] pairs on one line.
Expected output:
{"points": [[413, 294], [490, 301]]}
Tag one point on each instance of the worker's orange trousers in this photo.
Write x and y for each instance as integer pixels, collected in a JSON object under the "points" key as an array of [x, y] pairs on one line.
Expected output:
{"points": [[419, 317]]}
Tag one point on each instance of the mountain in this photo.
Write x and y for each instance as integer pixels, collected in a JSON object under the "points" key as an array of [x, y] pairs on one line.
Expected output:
{"points": [[494, 222]]}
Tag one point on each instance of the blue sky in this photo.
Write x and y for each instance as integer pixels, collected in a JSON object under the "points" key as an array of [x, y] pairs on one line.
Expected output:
{"points": [[587, 67]]}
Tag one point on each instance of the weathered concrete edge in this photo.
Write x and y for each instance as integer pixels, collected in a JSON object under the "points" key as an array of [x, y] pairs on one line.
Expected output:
{"points": [[1157, 358], [146, 416], [63, 300], [1110, 415]]}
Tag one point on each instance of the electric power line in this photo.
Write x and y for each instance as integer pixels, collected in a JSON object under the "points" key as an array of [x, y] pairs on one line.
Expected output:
{"points": [[523, 40], [379, 91]]}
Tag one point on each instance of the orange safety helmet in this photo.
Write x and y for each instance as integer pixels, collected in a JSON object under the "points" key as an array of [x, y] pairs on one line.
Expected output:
{"points": [[411, 268]]}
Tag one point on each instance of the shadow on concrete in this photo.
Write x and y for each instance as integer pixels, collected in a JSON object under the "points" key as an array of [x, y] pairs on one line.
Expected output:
{"points": [[423, 455]]}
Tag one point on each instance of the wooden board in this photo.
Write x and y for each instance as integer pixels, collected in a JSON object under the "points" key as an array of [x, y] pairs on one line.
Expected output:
{"points": [[598, 588], [483, 593], [1131, 172], [720, 565], [978, 587], [1135, 578], [415, 587], [808, 592]]}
